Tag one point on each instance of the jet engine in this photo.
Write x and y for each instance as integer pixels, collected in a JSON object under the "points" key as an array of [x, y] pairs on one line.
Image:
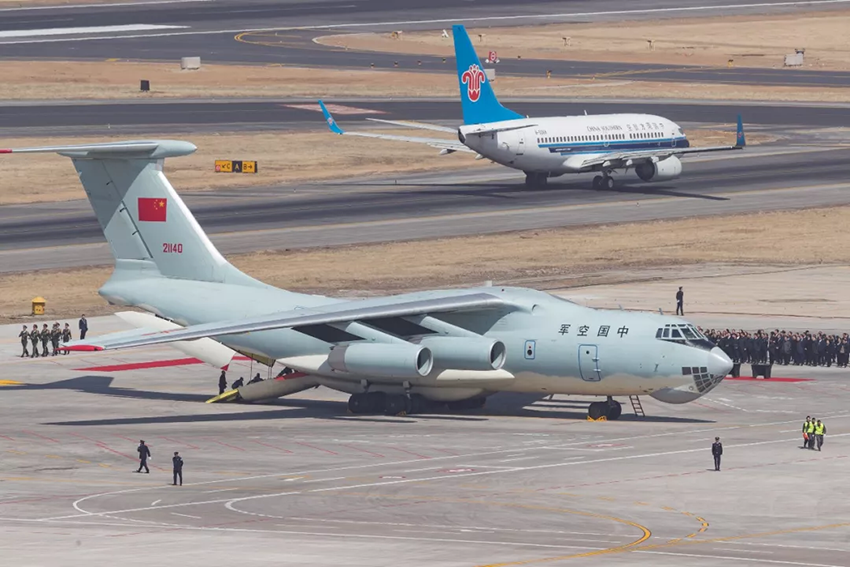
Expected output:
{"points": [[384, 360], [664, 170], [466, 353]]}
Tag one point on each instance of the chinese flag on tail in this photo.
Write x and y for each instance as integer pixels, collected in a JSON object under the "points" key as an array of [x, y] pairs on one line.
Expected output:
{"points": [[152, 210]]}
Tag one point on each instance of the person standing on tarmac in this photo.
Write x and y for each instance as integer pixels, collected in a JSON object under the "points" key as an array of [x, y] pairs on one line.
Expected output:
{"points": [[144, 455], [222, 383], [44, 335], [55, 337], [177, 462], [66, 335], [820, 431], [717, 451], [25, 337], [680, 302]]}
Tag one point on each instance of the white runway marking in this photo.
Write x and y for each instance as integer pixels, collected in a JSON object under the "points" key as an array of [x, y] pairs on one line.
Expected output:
{"points": [[186, 515], [759, 559], [155, 502], [531, 17], [110, 5], [97, 29]]}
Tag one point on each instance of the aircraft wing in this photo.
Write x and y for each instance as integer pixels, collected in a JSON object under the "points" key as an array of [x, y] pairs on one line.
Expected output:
{"points": [[629, 158], [447, 146], [341, 312]]}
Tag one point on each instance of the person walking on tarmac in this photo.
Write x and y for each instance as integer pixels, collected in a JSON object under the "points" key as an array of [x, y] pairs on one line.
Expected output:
{"points": [[177, 462], [810, 432], [34, 336], [680, 302], [45, 335], [144, 455], [717, 451], [806, 432], [66, 335], [222, 383], [820, 431], [25, 337]]}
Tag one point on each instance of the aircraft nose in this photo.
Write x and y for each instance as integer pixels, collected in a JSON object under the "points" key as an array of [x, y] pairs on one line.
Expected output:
{"points": [[719, 364]]}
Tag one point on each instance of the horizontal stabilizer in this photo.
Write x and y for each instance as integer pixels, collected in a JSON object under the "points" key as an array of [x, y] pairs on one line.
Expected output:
{"points": [[420, 125], [152, 149]]}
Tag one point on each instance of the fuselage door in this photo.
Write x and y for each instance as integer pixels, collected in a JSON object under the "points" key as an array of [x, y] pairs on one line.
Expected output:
{"points": [[520, 147], [588, 363]]}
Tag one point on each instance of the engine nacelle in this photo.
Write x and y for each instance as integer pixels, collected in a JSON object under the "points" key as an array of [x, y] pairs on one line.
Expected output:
{"points": [[466, 353], [382, 360], [664, 170]]}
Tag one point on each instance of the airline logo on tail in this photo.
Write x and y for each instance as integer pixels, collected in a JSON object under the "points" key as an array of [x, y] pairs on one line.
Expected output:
{"points": [[473, 78]]}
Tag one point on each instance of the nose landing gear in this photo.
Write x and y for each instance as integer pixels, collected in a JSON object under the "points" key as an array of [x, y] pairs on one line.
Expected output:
{"points": [[610, 410]]}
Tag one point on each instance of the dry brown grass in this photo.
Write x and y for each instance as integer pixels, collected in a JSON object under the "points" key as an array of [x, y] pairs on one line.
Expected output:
{"points": [[756, 41], [550, 258], [284, 157], [86, 80]]}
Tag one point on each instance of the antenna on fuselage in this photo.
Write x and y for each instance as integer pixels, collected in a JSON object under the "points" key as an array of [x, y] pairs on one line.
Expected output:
{"points": [[620, 306], [585, 112], [660, 312]]}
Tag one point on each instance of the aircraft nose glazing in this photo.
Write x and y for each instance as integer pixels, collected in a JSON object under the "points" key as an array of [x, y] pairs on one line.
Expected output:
{"points": [[719, 364]]}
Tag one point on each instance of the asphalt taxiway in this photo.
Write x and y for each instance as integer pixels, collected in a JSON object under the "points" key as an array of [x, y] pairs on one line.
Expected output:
{"points": [[433, 205], [525, 481], [162, 117], [282, 33]]}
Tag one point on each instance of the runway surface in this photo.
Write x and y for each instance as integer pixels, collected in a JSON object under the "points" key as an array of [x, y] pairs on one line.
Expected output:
{"points": [[522, 482], [164, 116], [63, 235], [208, 29]]}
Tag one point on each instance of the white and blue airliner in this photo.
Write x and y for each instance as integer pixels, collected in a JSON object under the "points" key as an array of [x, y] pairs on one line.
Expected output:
{"points": [[553, 146]]}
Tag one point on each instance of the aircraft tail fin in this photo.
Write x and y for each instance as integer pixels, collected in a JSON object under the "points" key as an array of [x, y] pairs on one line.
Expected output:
{"points": [[740, 138], [139, 211], [476, 95]]}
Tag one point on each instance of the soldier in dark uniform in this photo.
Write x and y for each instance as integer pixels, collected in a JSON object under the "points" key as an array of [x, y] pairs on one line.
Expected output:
{"points": [[222, 383], [55, 337], [34, 336], [238, 384], [25, 337], [83, 326], [44, 335], [680, 302], [66, 335], [717, 451], [177, 462], [144, 453]]}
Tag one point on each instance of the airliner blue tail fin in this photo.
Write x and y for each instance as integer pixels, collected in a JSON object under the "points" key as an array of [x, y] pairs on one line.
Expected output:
{"points": [[476, 96], [740, 139]]}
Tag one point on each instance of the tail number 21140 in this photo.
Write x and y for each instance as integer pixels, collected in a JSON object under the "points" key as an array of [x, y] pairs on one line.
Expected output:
{"points": [[172, 248]]}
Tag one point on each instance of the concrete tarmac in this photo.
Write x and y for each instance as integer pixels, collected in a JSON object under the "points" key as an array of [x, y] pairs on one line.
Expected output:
{"points": [[64, 235], [300, 482]]}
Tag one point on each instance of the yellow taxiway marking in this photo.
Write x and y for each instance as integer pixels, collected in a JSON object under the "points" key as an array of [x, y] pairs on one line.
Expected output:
{"points": [[10, 383]]}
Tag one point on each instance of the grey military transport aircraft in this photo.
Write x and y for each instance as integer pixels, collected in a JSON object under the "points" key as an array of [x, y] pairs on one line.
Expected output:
{"points": [[400, 353]]}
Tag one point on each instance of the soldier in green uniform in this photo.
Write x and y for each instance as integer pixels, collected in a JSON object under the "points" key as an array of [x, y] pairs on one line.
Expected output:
{"points": [[55, 337], [66, 334], [25, 337], [44, 335], [34, 336]]}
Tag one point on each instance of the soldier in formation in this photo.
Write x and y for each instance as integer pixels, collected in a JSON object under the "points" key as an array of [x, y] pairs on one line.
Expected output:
{"points": [[784, 348]]}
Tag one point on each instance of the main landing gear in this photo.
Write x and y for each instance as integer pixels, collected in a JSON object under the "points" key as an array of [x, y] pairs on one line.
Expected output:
{"points": [[604, 181], [401, 404], [609, 409], [536, 179]]}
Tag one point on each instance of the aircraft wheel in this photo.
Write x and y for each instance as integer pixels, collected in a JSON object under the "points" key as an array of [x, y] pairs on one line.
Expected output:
{"points": [[597, 410], [395, 404], [615, 410], [357, 403], [597, 182], [608, 182]]}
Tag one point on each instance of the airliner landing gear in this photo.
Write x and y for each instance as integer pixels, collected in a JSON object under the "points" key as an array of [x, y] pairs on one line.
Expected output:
{"points": [[536, 179], [610, 410], [603, 181]]}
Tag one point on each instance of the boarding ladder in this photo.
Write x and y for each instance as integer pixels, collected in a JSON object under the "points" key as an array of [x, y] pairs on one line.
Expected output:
{"points": [[636, 406]]}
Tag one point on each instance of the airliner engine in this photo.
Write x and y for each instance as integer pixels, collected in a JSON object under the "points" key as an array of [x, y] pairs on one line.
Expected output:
{"points": [[664, 170], [384, 360]]}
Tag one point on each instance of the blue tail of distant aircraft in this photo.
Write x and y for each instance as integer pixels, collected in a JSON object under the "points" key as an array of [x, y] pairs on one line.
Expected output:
{"points": [[740, 138], [476, 96]]}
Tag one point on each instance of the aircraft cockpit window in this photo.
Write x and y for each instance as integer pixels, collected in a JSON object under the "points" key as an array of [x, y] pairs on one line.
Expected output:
{"points": [[684, 334]]}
